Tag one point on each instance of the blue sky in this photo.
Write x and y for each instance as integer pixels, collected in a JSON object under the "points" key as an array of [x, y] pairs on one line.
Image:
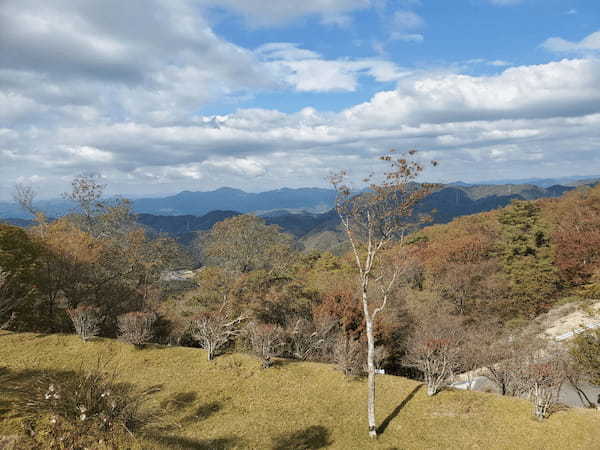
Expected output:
{"points": [[160, 96]]}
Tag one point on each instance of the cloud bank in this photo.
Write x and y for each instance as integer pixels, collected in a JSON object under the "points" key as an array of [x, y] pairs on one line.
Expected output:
{"points": [[85, 87]]}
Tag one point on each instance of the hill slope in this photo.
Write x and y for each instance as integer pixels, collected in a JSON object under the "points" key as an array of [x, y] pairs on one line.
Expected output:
{"points": [[231, 403]]}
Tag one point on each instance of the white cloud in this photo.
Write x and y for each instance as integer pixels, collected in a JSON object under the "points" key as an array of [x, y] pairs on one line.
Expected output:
{"points": [[590, 43], [403, 26], [568, 87], [503, 123], [124, 98], [499, 63], [307, 71]]}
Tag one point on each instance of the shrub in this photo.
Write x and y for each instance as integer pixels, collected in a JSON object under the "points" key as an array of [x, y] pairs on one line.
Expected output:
{"points": [[585, 352], [349, 356], [136, 327], [83, 409], [541, 378], [86, 320], [265, 340], [214, 330], [306, 340]]}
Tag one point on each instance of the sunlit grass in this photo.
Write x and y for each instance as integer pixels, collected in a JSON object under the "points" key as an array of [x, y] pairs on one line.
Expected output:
{"points": [[232, 403]]}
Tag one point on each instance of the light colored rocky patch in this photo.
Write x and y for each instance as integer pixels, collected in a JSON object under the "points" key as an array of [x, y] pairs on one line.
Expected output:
{"points": [[573, 321]]}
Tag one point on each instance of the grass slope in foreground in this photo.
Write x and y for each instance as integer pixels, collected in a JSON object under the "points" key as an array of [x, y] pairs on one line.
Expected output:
{"points": [[232, 403]]}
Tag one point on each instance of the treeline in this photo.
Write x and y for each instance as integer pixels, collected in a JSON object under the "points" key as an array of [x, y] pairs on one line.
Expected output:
{"points": [[95, 258], [465, 295], [515, 263]]}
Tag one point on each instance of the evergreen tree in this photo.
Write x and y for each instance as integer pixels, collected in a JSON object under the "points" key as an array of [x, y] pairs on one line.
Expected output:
{"points": [[527, 259]]}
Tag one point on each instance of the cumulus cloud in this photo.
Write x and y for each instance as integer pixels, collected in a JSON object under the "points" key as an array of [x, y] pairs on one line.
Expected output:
{"points": [[589, 44], [143, 60], [307, 71], [123, 99]]}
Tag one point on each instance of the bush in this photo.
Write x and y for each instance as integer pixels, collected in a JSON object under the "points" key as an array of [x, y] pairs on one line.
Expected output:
{"points": [[305, 340], [86, 320], [349, 356], [585, 352], [83, 409], [265, 340], [136, 327], [541, 377], [214, 330]]}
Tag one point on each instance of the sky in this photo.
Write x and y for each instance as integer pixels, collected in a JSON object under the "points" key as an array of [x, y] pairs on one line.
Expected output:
{"points": [[161, 96]]}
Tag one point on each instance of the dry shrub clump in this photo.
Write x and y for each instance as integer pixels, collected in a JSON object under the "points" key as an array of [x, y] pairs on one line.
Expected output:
{"points": [[266, 341], [86, 320], [82, 410], [136, 327]]}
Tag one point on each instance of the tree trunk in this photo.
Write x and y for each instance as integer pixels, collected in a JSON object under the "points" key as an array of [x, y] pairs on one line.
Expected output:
{"points": [[370, 363], [371, 379]]}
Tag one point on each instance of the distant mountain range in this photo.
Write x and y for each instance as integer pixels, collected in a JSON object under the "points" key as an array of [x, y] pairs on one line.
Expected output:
{"points": [[199, 203], [306, 213], [541, 182]]}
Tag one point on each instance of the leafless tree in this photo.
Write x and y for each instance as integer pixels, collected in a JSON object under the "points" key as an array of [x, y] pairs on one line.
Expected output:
{"points": [[541, 377], [435, 347], [503, 361], [86, 193], [371, 221], [24, 196], [349, 355], [265, 340], [306, 340], [136, 327], [86, 320], [215, 329]]}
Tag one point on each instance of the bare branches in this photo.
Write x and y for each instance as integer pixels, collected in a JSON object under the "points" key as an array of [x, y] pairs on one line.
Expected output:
{"points": [[541, 377], [215, 329], [86, 320], [136, 327], [265, 340], [371, 220], [435, 349]]}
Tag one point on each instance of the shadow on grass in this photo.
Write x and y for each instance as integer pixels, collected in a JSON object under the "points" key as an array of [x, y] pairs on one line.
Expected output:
{"points": [[183, 443], [310, 438], [179, 400], [204, 412], [397, 410], [283, 362]]}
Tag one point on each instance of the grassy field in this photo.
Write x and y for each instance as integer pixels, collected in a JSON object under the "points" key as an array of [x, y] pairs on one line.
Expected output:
{"points": [[232, 403]]}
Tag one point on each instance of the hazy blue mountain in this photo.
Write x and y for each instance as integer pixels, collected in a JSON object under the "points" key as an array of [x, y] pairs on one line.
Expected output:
{"points": [[541, 182], [277, 202], [200, 203]]}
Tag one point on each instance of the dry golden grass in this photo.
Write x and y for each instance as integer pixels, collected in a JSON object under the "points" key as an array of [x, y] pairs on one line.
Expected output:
{"points": [[232, 403]]}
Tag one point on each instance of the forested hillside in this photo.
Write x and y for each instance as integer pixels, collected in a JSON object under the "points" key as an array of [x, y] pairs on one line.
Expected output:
{"points": [[465, 295]]}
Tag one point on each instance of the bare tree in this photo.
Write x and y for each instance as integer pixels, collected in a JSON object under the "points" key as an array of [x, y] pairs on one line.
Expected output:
{"points": [[24, 196], [136, 327], [214, 329], [371, 221], [265, 340], [541, 377], [86, 193], [306, 339], [86, 320], [435, 347], [503, 360]]}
